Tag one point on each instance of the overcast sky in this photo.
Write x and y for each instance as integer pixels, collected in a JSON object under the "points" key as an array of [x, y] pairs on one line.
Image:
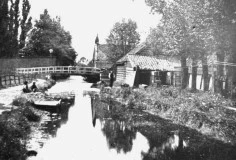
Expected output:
{"points": [[84, 19]]}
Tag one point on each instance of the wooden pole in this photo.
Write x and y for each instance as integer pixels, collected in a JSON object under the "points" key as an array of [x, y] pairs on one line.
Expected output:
{"points": [[213, 78], [0, 81]]}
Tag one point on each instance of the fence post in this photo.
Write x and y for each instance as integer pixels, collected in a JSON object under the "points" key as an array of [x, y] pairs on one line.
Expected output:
{"points": [[1, 82]]}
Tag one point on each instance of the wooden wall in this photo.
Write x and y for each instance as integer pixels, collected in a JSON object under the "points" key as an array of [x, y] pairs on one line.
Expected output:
{"points": [[125, 74], [14, 80]]}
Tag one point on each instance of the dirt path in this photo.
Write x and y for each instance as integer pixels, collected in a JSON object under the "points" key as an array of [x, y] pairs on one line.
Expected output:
{"points": [[8, 94]]}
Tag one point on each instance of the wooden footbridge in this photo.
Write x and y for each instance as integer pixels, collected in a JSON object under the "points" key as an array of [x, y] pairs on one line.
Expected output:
{"points": [[90, 74], [71, 70], [20, 75]]}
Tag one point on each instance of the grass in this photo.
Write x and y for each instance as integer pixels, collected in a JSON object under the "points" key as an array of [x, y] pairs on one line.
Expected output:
{"points": [[15, 125], [203, 111]]}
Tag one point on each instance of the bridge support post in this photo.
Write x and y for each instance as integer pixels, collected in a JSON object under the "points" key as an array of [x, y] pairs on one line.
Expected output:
{"points": [[1, 82]]}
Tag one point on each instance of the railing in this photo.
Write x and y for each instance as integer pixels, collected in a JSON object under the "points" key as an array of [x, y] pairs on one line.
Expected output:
{"points": [[59, 69]]}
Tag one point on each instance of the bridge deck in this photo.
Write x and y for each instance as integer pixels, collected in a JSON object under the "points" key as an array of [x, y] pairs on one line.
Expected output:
{"points": [[72, 70]]}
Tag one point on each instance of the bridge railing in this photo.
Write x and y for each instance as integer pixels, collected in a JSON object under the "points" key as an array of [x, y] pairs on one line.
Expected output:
{"points": [[59, 69]]}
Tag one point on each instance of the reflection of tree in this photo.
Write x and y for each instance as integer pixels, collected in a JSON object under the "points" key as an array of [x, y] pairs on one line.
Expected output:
{"points": [[173, 148], [56, 120], [118, 135]]}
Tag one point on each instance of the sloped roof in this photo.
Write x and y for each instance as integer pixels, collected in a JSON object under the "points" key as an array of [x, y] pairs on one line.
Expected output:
{"points": [[137, 49], [103, 51], [149, 63]]}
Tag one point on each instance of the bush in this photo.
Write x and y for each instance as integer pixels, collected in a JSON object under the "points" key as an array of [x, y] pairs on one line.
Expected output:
{"points": [[199, 110], [20, 100], [14, 130], [30, 114]]}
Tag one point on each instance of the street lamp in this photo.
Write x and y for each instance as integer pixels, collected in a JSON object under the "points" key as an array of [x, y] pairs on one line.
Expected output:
{"points": [[50, 51]]}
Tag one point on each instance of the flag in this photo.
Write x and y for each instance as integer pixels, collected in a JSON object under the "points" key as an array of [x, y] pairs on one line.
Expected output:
{"points": [[97, 40]]}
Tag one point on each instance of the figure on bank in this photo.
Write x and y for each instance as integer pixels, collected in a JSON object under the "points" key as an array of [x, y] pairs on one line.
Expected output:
{"points": [[26, 88], [111, 78], [34, 87]]}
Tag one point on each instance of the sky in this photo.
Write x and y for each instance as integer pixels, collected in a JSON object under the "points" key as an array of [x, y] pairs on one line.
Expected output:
{"points": [[85, 19]]}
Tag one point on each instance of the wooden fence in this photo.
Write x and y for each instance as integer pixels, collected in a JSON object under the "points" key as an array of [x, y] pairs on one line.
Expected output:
{"points": [[14, 80]]}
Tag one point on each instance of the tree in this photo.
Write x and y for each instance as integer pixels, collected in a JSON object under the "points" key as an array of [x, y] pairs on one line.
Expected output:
{"points": [[123, 38], [10, 21], [26, 23], [49, 34], [4, 37], [13, 27], [194, 29]]}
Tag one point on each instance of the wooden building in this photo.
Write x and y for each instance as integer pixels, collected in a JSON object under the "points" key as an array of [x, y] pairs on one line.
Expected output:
{"points": [[135, 69]]}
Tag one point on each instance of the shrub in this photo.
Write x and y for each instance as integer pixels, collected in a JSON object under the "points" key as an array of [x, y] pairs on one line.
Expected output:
{"points": [[200, 110], [14, 130], [21, 100], [30, 114]]}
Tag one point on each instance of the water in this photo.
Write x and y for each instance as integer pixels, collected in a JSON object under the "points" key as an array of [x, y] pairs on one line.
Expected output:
{"points": [[92, 129]]}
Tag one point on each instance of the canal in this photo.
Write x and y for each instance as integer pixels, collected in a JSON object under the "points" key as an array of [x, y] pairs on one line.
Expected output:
{"points": [[93, 129]]}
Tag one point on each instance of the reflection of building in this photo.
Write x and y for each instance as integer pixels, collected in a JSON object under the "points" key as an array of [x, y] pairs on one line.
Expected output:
{"points": [[135, 68]]}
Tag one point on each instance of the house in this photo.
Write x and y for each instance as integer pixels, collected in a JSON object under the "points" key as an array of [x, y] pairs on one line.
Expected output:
{"points": [[101, 59], [135, 68]]}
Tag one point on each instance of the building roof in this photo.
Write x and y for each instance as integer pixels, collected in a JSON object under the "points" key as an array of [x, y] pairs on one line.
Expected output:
{"points": [[136, 58], [149, 62], [103, 51], [137, 49]]}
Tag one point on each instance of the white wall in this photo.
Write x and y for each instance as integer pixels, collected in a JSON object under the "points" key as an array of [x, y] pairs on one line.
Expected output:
{"points": [[199, 77]]}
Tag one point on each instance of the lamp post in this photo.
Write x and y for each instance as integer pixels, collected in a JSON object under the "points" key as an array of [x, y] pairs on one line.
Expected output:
{"points": [[51, 51]]}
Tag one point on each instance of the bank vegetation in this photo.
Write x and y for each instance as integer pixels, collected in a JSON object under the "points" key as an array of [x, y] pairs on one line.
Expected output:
{"points": [[16, 124], [208, 113]]}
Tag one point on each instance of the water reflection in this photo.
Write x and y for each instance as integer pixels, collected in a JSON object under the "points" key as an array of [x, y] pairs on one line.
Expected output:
{"points": [[50, 123], [98, 130], [118, 135], [175, 142]]}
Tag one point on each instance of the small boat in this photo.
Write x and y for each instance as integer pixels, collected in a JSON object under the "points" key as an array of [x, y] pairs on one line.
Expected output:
{"points": [[48, 105]]}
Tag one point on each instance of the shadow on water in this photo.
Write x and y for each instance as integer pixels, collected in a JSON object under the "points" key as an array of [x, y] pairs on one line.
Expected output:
{"points": [[166, 140], [50, 123], [55, 120]]}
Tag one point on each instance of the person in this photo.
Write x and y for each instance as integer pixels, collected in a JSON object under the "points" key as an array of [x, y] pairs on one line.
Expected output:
{"points": [[34, 87], [111, 78], [26, 88]]}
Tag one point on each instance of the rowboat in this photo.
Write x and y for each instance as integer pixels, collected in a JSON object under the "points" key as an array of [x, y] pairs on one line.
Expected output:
{"points": [[48, 105]]}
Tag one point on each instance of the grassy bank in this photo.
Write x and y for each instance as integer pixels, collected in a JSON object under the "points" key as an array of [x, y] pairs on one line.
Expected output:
{"points": [[203, 111], [15, 125]]}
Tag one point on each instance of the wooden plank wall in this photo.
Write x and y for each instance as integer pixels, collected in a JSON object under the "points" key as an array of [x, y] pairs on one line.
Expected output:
{"points": [[129, 76], [120, 74], [125, 75], [14, 80], [104, 76]]}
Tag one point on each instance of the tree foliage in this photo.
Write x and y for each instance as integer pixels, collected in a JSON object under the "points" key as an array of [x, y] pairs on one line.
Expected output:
{"points": [[26, 24], [49, 34], [195, 28], [122, 38], [10, 22], [3, 27]]}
